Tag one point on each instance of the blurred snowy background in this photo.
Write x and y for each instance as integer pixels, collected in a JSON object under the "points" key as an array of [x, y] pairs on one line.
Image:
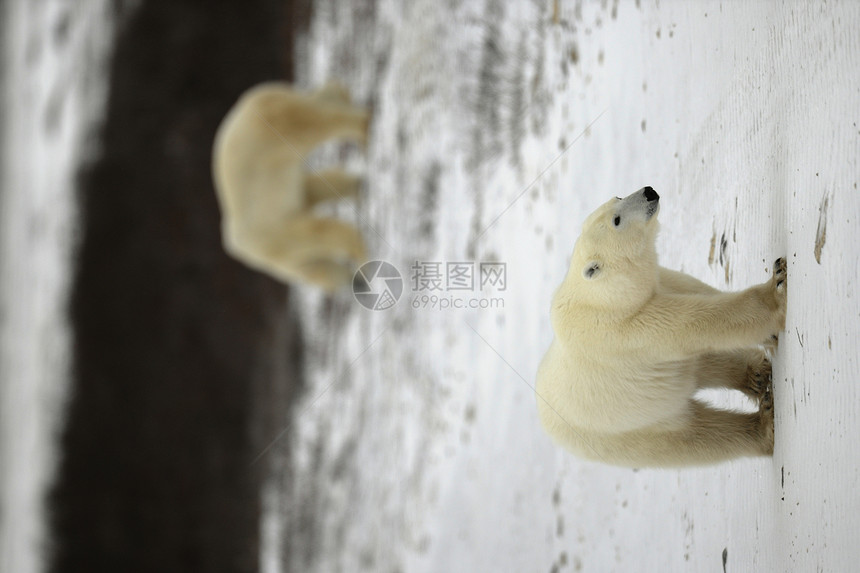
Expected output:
{"points": [[338, 438], [53, 82]]}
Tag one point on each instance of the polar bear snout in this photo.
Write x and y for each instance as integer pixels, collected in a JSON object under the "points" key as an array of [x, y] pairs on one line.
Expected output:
{"points": [[641, 205], [652, 201]]}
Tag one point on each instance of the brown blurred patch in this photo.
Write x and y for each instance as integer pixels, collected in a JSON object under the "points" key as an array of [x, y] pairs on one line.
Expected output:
{"points": [[177, 348]]}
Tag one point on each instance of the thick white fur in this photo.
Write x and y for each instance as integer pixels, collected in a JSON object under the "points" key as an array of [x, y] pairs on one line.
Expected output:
{"points": [[635, 341], [267, 195]]}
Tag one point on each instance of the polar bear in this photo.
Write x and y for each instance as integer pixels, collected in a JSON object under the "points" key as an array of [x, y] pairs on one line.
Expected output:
{"points": [[635, 341], [267, 195]]}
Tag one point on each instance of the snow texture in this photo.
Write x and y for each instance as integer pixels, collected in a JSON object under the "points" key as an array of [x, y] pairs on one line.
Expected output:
{"points": [[53, 89], [497, 127]]}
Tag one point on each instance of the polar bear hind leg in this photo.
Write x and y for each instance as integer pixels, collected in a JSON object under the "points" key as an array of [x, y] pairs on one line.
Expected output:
{"points": [[303, 122], [710, 436], [330, 185], [320, 238], [747, 370], [334, 92], [321, 250], [328, 275]]}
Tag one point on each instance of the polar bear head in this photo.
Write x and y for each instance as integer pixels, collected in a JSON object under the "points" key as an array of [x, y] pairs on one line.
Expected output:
{"points": [[614, 260]]}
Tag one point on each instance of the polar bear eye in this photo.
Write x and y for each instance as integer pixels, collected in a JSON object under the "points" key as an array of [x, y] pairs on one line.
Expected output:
{"points": [[617, 220]]}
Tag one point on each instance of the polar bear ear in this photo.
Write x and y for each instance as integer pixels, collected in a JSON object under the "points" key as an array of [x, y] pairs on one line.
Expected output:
{"points": [[591, 270]]}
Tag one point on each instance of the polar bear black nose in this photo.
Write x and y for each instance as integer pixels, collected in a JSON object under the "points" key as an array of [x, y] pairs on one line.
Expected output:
{"points": [[650, 194]]}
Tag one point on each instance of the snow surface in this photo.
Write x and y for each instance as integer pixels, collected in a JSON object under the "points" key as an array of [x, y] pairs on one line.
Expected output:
{"points": [[53, 90], [497, 127]]}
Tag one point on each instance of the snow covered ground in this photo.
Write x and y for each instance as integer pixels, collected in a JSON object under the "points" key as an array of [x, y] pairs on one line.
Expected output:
{"points": [[53, 90], [497, 127]]}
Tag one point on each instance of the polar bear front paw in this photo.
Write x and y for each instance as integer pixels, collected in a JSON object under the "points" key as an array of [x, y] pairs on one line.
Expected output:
{"points": [[780, 274], [759, 378], [780, 289]]}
